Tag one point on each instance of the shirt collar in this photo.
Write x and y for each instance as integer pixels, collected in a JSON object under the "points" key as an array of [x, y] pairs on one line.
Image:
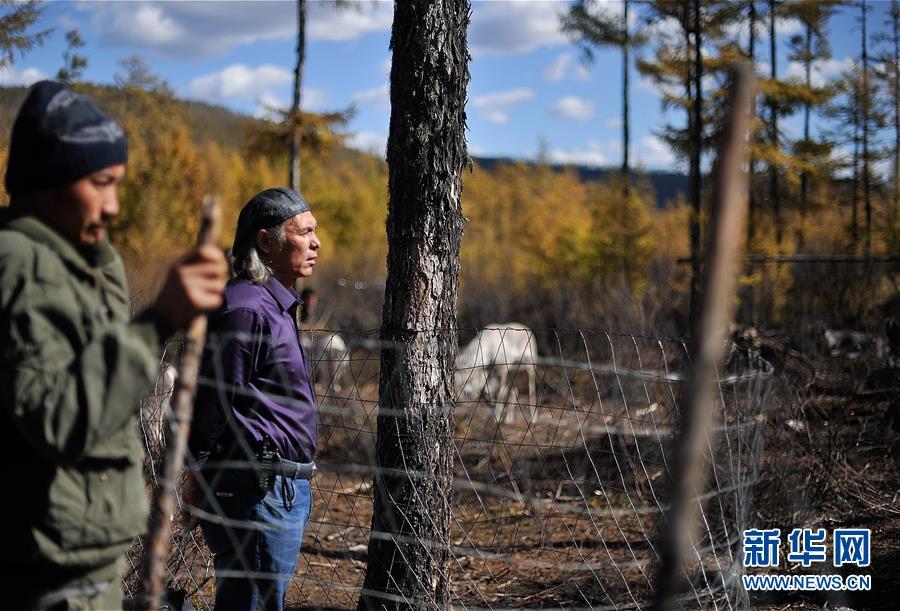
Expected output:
{"points": [[286, 298], [39, 231]]}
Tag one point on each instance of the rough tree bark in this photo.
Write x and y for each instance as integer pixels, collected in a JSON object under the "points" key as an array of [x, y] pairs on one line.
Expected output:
{"points": [[409, 547]]}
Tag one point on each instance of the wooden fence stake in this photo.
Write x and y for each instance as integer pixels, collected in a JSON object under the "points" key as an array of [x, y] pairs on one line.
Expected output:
{"points": [[163, 509], [707, 345]]}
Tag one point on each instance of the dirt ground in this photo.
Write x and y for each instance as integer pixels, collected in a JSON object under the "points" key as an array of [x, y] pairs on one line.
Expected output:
{"points": [[562, 510], [830, 459], [843, 449]]}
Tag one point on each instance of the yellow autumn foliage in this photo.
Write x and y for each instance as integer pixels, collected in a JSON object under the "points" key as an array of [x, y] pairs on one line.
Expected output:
{"points": [[539, 241]]}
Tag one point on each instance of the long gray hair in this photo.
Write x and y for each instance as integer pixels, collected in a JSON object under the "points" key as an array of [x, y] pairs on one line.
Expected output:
{"points": [[252, 264]]}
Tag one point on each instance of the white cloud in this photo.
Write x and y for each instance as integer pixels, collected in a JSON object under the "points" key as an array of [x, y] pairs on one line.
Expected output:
{"points": [[10, 76], [613, 123], [494, 106], [264, 85], [784, 28], [377, 96], [510, 28], [502, 98], [239, 82], [268, 105], [313, 99], [566, 66], [572, 107], [326, 22], [385, 68], [652, 153], [204, 29], [593, 155], [822, 71], [370, 142], [495, 116], [647, 84]]}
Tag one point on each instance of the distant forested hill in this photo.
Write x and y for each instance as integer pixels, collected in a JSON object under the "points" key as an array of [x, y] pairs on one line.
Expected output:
{"points": [[666, 186], [214, 124]]}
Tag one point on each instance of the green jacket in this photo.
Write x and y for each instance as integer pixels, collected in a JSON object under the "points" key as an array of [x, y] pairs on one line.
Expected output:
{"points": [[72, 372]]}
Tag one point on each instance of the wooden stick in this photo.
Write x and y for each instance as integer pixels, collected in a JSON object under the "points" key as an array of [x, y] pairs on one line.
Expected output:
{"points": [[162, 511], [716, 308]]}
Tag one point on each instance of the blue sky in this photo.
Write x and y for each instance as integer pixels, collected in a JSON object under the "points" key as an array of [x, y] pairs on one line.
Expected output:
{"points": [[528, 84]]}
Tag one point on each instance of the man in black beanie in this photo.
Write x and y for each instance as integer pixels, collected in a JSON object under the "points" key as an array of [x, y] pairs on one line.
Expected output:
{"points": [[73, 366]]}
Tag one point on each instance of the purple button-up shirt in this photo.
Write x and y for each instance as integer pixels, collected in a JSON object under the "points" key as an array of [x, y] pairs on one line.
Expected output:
{"points": [[255, 377]]}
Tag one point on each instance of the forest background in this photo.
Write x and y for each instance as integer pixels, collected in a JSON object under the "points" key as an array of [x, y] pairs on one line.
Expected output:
{"points": [[558, 246]]}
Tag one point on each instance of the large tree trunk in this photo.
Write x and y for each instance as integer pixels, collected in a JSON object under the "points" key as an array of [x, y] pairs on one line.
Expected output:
{"points": [[295, 107], [409, 546]]}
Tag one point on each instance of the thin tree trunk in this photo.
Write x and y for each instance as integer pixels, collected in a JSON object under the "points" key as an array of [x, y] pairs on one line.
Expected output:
{"points": [[409, 546], [626, 139], [895, 20], [773, 128], [864, 99], [295, 107], [751, 201], [854, 214], [807, 110], [749, 302], [696, 147]]}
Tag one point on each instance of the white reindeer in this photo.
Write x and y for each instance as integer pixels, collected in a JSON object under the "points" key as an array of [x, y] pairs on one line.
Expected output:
{"points": [[329, 358], [155, 408], [489, 363], [854, 344]]}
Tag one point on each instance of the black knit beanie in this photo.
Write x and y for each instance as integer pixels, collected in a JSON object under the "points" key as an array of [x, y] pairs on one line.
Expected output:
{"points": [[265, 210], [58, 138]]}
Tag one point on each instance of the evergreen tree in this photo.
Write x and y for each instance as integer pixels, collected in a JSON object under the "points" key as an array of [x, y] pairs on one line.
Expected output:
{"points": [[807, 48], [774, 137], [15, 22], [74, 64], [295, 118], [591, 26], [865, 109], [752, 17], [889, 76], [679, 64], [136, 73]]}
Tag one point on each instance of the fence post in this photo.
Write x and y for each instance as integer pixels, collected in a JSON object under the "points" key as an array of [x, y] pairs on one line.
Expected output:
{"points": [[156, 544], [716, 308]]}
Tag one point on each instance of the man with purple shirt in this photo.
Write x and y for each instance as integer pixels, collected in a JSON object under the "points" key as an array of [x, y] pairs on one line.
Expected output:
{"points": [[253, 438]]}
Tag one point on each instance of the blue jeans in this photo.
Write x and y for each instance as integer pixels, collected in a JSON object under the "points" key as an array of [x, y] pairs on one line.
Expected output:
{"points": [[255, 563]]}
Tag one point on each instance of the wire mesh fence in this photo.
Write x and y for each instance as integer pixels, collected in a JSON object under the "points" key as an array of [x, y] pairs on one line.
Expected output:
{"points": [[563, 443]]}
